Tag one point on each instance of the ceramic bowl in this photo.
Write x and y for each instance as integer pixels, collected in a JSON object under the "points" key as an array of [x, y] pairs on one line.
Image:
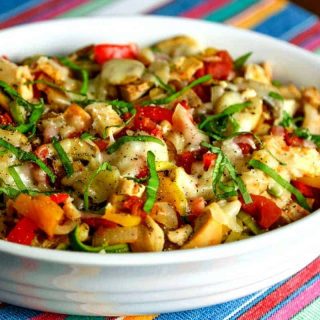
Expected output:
{"points": [[142, 283]]}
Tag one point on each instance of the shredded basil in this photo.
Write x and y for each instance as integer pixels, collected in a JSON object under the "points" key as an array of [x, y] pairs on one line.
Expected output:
{"points": [[27, 156], [115, 146], [176, 95], [84, 73], [301, 200], [240, 62], [276, 83], [276, 96], [153, 182], [87, 136], [163, 85], [226, 112], [274, 157], [66, 162], [103, 167], [223, 164], [249, 222], [51, 84], [16, 178]]}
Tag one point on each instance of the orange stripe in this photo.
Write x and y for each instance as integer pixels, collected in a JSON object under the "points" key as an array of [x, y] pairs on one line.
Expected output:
{"points": [[258, 13], [140, 317]]}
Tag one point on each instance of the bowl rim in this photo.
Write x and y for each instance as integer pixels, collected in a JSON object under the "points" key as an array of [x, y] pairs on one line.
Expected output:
{"points": [[176, 256]]}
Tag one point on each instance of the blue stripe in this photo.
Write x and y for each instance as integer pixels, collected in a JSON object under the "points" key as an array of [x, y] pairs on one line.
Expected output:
{"points": [[219, 311], [11, 8], [177, 7], [303, 26], [291, 297], [9, 312], [283, 21]]}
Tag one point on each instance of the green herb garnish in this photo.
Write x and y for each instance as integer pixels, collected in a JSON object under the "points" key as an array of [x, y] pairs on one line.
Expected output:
{"points": [[87, 136], [27, 156], [103, 167], [176, 95], [276, 83], [115, 146], [240, 62], [153, 182], [66, 162], [276, 96], [16, 178], [84, 73], [223, 164], [301, 200], [163, 85]]}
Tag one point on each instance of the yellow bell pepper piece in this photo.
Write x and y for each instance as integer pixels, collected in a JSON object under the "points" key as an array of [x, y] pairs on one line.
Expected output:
{"points": [[44, 212], [123, 219]]}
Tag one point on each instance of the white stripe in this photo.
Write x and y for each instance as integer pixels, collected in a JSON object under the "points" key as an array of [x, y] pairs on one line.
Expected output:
{"points": [[234, 312], [127, 7]]}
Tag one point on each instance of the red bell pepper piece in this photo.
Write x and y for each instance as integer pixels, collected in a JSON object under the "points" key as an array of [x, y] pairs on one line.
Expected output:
{"points": [[101, 144], [307, 191], [156, 114], [187, 158], [99, 222], [208, 160], [5, 119], [134, 205], [264, 210], [23, 232], [105, 52], [59, 197]]}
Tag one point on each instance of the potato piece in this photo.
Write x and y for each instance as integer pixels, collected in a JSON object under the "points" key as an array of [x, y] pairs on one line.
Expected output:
{"points": [[256, 73], [131, 188], [178, 46], [134, 91], [104, 117], [110, 236], [181, 235], [207, 232], [122, 71], [312, 96], [44, 212], [77, 118], [150, 237], [163, 213], [311, 119], [185, 68]]}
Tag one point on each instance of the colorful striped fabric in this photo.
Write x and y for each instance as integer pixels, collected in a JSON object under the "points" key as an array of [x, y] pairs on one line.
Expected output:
{"points": [[297, 298]]}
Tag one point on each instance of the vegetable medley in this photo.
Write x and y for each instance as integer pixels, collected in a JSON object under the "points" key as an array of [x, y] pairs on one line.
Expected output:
{"points": [[116, 148]]}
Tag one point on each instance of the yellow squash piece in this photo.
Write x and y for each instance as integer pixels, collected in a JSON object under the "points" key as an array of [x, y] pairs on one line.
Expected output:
{"points": [[44, 212], [310, 181]]}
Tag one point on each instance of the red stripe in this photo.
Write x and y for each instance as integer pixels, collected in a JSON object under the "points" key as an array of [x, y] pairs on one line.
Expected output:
{"points": [[64, 7], [274, 298], [306, 34], [49, 316], [204, 8], [25, 16]]}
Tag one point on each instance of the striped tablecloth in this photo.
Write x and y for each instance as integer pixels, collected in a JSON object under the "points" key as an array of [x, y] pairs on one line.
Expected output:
{"points": [[296, 298]]}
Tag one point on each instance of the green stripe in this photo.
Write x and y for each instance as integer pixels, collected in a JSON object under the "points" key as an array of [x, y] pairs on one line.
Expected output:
{"points": [[230, 10], [310, 312], [84, 318], [86, 8]]}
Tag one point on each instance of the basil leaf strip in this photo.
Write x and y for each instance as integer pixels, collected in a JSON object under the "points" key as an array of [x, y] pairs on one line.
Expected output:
{"points": [[35, 116], [240, 62], [87, 136], [66, 162], [103, 167], [163, 85], [234, 108], [17, 180], [222, 163], [153, 182], [27, 156], [276, 96], [284, 183], [176, 95], [122, 140], [84, 73]]}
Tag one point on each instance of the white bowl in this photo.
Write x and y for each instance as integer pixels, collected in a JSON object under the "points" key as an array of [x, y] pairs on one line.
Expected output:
{"points": [[93, 284]]}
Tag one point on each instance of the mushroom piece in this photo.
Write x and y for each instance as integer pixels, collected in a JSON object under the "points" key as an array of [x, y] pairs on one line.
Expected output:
{"points": [[181, 235], [163, 213], [150, 237], [134, 91]]}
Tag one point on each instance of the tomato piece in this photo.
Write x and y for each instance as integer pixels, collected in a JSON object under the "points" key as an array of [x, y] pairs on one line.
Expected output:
{"points": [[197, 206], [23, 232], [292, 140], [183, 103], [156, 114], [98, 222], [143, 173], [101, 144], [307, 191], [187, 158], [134, 205], [59, 197], [277, 131], [203, 92], [208, 160], [264, 210], [5, 119], [105, 52], [42, 152]]}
